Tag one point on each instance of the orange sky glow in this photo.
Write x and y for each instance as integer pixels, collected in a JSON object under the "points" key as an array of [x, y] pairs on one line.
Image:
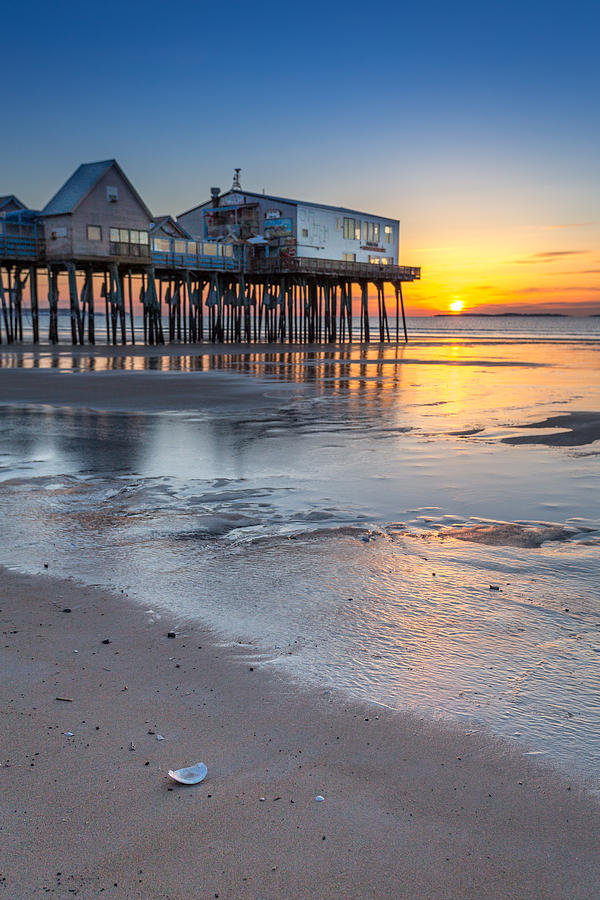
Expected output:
{"points": [[542, 269]]}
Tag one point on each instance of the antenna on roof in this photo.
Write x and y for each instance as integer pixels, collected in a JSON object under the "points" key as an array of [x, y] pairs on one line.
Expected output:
{"points": [[236, 186]]}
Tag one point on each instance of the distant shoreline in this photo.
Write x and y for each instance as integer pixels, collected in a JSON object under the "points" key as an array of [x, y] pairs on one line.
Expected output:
{"points": [[507, 315], [100, 314]]}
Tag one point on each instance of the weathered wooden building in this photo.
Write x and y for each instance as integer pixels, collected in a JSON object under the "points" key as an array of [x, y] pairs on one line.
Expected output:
{"points": [[97, 213], [9, 203], [165, 228]]}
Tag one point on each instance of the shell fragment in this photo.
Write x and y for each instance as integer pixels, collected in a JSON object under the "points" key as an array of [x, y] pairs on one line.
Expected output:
{"points": [[190, 775]]}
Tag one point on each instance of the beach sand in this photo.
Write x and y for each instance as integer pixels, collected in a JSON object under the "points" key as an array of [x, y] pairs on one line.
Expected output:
{"points": [[411, 809]]}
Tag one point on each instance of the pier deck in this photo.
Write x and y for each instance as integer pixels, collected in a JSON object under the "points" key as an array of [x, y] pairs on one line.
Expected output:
{"points": [[206, 291]]}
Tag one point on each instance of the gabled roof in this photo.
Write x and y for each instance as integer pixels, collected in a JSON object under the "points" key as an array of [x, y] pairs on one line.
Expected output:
{"points": [[80, 185], [7, 199], [168, 223], [273, 199]]}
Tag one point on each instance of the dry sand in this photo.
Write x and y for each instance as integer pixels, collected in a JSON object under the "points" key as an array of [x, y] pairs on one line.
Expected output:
{"points": [[411, 810]]}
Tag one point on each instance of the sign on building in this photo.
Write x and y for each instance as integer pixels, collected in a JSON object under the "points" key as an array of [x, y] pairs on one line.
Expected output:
{"points": [[277, 227]]}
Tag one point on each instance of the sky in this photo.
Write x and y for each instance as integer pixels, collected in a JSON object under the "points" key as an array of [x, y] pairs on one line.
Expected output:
{"points": [[475, 124]]}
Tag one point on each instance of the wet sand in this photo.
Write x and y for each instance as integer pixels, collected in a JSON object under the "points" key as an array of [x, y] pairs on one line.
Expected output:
{"points": [[581, 428], [139, 391], [411, 809]]}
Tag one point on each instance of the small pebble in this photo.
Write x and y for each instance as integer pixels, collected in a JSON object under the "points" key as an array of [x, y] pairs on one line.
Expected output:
{"points": [[319, 798]]}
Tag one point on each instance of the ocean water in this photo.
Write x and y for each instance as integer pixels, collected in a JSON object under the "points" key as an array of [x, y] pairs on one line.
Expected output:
{"points": [[378, 528], [533, 327]]}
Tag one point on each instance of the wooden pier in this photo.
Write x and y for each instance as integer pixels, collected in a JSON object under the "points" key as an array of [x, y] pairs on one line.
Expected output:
{"points": [[97, 250], [217, 299]]}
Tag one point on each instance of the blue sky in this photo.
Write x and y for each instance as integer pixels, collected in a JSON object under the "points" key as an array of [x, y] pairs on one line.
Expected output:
{"points": [[460, 119]]}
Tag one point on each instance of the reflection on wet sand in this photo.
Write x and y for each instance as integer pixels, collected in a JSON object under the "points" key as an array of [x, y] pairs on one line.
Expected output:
{"points": [[261, 490], [459, 375]]}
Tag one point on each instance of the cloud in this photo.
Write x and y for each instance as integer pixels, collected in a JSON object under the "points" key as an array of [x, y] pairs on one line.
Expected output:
{"points": [[568, 225], [549, 256], [553, 290]]}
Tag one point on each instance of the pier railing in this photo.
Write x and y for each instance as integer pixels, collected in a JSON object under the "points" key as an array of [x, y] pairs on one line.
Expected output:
{"points": [[19, 247], [201, 255], [312, 266], [218, 257]]}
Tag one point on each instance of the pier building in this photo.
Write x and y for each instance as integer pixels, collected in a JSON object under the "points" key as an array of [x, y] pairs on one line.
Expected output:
{"points": [[241, 266], [9, 203], [293, 228]]}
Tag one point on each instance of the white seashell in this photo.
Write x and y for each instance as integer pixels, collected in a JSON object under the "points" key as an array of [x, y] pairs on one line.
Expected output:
{"points": [[190, 775]]}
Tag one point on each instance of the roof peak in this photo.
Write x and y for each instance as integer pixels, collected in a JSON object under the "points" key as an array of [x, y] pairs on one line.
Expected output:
{"points": [[83, 180]]}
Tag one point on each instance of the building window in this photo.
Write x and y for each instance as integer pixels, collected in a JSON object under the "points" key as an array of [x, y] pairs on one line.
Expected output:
{"points": [[112, 194], [349, 257], [372, 232], [338, 224], [389, 233], [305, 232], [94, 233], [350, 229], [128, 242], [180, 246]]}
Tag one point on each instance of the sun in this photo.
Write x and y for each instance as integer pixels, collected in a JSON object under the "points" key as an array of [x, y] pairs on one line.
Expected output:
{"points": [[456, 305]]}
